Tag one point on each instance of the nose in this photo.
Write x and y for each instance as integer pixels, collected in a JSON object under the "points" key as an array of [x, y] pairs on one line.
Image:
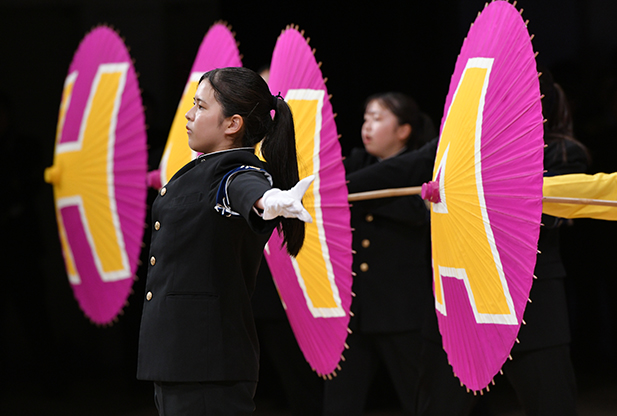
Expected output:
{"points": [[189, 114]]}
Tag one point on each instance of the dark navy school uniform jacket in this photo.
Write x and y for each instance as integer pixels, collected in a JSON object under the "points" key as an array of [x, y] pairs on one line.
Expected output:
{"points": [[197, 323], [391, 241]]}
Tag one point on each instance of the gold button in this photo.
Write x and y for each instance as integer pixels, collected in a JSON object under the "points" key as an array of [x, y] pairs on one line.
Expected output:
{"points": [[364, 267], [369, 218], [152, 260], [157, 225], [163, 191], [149, 296], [366, 243]]}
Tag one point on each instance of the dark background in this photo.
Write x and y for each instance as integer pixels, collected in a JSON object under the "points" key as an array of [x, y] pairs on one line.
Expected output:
{"points": [[52, 354]]}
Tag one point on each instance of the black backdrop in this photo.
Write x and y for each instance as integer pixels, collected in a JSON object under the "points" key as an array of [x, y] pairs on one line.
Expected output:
{"points": [[409, 46]]}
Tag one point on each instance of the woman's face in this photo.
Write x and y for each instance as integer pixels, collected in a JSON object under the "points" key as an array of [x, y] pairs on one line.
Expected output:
{"points": [[206, 125], [382, 135]]}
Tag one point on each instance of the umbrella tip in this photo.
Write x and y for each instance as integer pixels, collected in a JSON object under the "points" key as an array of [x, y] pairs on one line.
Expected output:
{"points": [[52, 175]]}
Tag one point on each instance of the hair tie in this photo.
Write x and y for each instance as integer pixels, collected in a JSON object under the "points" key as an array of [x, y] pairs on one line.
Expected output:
{"points": [[275, 98]]}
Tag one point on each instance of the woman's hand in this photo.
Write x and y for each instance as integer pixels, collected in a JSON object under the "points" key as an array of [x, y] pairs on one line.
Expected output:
{"points": [[288, 204]]}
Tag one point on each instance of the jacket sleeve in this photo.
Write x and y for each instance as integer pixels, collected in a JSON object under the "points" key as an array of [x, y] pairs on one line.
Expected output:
{"points": [[410, 169], [243, 191]]}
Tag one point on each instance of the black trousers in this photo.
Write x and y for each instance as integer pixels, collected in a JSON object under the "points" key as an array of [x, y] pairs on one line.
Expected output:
{"points": [[302, 386], [229, 398], [399, 352], [543, 380]]}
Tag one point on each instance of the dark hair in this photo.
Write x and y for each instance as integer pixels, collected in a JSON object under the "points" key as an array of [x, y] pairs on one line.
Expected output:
{"points": [[244, 92], [407, 111], [558, 126]]}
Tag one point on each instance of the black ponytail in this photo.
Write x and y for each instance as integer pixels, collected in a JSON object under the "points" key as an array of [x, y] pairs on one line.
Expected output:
{"points": [[279, 150], [244, 92]]}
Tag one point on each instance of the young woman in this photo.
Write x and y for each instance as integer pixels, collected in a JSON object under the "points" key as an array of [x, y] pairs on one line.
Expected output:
{"points": [[197, 340], [392, 264]]}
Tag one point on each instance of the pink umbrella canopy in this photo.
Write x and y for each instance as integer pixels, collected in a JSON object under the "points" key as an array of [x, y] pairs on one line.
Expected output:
{"points": [[217, 50], [485, 215], [99, 174], [316, 285]]}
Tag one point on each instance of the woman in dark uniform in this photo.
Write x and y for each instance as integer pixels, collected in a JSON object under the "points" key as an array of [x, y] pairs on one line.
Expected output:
{"points": [[197, 340], [392, 265]]}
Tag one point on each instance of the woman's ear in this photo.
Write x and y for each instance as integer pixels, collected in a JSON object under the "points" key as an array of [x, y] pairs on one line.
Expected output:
{"points": [[234, 125], [403, 132]]}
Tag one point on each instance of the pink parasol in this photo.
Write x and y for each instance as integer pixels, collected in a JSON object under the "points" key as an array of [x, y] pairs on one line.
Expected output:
{"points": [[487, 196], [218, 49], [315, 286], [99, 174]]}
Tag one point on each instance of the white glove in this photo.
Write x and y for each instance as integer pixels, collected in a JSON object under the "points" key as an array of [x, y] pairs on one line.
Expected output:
{"points": [[287, 203]]}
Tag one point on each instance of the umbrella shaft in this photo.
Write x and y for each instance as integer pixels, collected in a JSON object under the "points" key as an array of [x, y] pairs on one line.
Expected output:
{"points": [[578, 201], [416, 190], [384, 193]]}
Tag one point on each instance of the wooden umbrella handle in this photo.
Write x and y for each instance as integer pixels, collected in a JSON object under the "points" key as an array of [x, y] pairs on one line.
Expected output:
{"points": [[384, 193], [578, 201], [416, 190]]}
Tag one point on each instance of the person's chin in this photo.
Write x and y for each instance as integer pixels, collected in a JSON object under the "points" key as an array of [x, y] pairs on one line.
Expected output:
{"points": [[192, 147]]}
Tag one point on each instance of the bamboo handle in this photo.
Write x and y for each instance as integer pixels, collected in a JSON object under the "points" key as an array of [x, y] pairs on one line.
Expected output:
{"points": [[384, 193], [579, 201], [416, 190]]}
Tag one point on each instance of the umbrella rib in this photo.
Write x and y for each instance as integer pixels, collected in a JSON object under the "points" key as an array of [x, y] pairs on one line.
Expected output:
{"points": [[523, 112], [511, 84], [520, 176], [499, 212], [513, 159]]}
